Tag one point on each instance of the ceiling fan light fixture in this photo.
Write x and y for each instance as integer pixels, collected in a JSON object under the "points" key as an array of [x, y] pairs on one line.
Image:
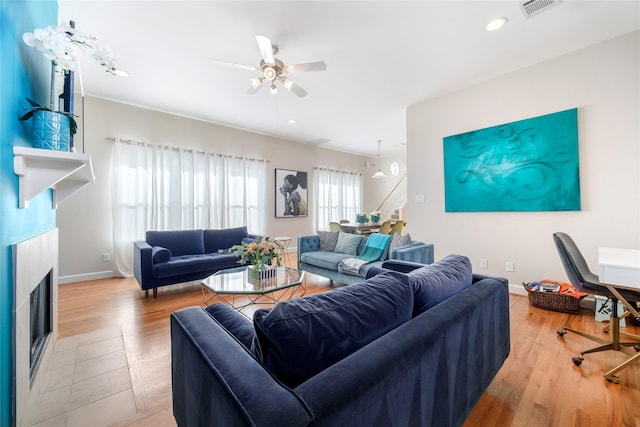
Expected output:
{"points": [[256, 81], [286, 83], [269, 73], [273, 89], [379, 174]]}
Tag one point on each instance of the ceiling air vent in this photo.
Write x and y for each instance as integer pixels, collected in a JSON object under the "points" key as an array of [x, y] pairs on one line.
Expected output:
{"points": [[534, 7]]}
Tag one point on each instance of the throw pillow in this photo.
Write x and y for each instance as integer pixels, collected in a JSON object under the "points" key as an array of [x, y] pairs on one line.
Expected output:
{"points": [[437, 282], [160, 254], [398, 241], [300, 338], [234, 322], [328, 240], [347, 243]]}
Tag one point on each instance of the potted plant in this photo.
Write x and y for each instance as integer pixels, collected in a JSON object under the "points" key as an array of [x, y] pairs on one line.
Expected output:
{"points": [[258, 256], [375, 217], [62, 45], [51, 129], [362, 218]]}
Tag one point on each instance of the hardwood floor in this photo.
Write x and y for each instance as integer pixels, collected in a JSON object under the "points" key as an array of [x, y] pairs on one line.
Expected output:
{"points": [[537, 386]]}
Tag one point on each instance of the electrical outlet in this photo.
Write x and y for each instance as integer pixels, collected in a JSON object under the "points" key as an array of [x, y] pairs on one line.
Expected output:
{"points": [[484, 263], [509, 266], [106, 257]]}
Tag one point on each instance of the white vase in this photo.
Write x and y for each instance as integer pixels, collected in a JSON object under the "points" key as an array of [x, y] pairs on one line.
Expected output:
{"points": [[260, 272]]}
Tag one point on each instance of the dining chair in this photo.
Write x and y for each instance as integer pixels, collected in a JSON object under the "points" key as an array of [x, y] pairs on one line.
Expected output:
{"points": [[397, 227], [385, 228], [334, 226], [344, 221]]}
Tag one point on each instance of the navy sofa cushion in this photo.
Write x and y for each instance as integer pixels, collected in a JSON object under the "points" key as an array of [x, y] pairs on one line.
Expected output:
{"points": [[234, 322], [179, 242], [214, 240], [437, 282], [300, 338]]}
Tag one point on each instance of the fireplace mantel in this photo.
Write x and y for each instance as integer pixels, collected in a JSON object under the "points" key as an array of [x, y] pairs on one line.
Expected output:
{"points": [[40, 169]]}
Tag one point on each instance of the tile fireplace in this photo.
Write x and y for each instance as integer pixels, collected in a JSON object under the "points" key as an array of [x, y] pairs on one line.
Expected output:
{"points": [[35, 315]]}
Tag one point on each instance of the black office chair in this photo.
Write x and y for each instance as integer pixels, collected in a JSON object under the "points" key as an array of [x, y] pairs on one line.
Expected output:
{"points": [[584, 280]]}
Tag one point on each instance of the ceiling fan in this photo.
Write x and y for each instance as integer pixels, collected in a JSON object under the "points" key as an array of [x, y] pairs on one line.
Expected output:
{"points": [[273, 69]]}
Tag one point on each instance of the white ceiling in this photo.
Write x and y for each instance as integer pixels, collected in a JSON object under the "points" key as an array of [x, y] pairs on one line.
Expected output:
{"points": [[381, 56]]}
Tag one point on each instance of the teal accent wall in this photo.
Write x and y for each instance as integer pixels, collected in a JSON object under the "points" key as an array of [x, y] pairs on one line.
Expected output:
{"points": [[24, 72]]}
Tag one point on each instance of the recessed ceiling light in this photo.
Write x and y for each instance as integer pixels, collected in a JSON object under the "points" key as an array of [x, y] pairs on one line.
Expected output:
{"points": [[292, 121], [496, 24]]}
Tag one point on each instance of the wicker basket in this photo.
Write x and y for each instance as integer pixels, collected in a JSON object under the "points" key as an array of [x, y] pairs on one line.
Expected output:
{"points": [[554, 301]]}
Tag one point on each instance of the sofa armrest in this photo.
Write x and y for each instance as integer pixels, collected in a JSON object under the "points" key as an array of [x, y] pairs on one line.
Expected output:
{"points": [[143, 263], [477, 277], [395, 266], [216, 382], [416, 252]]}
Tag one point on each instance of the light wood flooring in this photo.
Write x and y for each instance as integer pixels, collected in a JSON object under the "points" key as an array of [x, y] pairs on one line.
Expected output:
{"points": [[537, 386]]}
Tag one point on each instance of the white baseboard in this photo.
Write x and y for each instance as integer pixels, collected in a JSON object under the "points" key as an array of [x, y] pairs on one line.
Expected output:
{"points": [[84, 277], [517, 289]]}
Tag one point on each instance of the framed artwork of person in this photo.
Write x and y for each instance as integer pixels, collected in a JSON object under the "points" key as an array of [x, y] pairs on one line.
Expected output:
{"points": [[291, 193]]}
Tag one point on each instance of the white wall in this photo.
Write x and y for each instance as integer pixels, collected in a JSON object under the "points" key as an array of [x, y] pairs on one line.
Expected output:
{"points": [[602, 81], [85, 221]]}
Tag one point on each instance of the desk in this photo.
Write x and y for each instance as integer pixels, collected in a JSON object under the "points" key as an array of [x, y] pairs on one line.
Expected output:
{"points": [[620, 269]]}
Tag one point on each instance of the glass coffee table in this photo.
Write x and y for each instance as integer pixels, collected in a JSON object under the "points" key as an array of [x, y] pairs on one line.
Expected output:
{"points": [[235, 287]]}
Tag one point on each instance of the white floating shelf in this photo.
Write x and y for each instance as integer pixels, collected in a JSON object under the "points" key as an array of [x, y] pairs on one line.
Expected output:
{"points": [[39, 169]]}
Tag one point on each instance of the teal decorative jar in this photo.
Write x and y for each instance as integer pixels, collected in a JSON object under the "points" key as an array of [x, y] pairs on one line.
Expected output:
{"points": [[50, 130]]}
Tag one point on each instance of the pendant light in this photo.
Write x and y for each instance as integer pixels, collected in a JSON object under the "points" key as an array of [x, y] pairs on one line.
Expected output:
{"points": [[379, 174]]}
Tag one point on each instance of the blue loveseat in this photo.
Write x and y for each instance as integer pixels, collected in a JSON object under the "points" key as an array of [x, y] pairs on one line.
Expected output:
{"points": [[176, 256], [416, 348], [319, 255]]}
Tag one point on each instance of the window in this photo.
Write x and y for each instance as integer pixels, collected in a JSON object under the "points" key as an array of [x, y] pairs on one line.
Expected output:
{"points": [[338, 195], [163, 188]]}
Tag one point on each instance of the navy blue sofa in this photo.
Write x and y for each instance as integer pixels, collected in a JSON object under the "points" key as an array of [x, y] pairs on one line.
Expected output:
{"points": [[177, 256], [416, 348]]}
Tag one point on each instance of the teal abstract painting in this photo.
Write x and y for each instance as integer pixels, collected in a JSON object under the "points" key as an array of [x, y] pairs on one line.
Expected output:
{"points": [[528, 165]]}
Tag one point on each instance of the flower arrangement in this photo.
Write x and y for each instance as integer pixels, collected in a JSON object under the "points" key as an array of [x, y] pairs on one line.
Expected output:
{"points": [[362, 218], [63, 45], [260, 253], [375, 217]]}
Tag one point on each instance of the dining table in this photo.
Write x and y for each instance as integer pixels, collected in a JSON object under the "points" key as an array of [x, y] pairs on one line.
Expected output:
{"points": [[354, 228]]}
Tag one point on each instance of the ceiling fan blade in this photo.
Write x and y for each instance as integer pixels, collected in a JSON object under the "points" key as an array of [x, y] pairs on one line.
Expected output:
{"points": [[295, 89], [266, 49], [234, 65], [302, 68]]}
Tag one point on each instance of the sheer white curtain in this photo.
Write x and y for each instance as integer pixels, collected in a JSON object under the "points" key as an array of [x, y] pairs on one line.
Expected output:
{"points": [[338, 195], [165, 188]]}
